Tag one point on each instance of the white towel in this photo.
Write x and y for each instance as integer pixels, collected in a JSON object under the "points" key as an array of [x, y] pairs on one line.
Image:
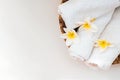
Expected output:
{"points": [[112, 33], [77, 10]]}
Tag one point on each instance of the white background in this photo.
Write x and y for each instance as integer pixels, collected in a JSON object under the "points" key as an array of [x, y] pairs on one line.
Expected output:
{"points": [[30, 46]]}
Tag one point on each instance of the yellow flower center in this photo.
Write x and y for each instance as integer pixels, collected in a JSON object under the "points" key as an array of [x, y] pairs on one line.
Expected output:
{"points": [[103, 44], [71, 35], [87, 25]]}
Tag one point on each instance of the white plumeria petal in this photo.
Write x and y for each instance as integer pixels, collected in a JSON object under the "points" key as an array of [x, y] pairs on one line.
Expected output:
{"points": [[69, 42], [74, 32], [112, 45], [87, 19], [79, 24], [81, 28], [94, 28], [68, 29], [63, 36], [65, 29], [102, 50]]}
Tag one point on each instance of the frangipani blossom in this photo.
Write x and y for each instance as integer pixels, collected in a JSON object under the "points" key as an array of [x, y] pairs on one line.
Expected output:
{"points": [[71, 36], [103, 44], [88, 25]]}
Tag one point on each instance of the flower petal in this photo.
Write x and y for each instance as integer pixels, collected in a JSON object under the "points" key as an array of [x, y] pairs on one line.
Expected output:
{"points": [[81, 28], [112, 46], [67, 29], [87, 19], [79, 24], [69, 42], [102, 50], [94, 28], [63, 36]]}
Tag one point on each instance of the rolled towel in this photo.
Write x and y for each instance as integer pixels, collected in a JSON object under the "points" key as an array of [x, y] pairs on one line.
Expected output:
{"points": [[75, 11], [108, 46]]}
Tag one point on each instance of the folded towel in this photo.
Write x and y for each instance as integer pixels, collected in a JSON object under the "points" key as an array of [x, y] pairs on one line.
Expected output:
{"points": [[104, 59], [77, 10], [74, 11], [83, 49]]}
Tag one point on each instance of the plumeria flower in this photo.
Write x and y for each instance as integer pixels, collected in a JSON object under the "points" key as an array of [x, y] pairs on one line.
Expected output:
{"points": [[103, 44], [71, 36], [87, 25]]}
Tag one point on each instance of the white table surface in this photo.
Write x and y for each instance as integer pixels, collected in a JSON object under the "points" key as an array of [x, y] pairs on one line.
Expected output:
{"points": [[31, 49]]}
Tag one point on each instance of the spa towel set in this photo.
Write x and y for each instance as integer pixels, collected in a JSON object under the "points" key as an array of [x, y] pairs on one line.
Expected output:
{"points": [[92, 32]]}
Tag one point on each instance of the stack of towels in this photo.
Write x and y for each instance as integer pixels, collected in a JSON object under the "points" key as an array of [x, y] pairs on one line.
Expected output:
{"points": [[96, 40]]}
